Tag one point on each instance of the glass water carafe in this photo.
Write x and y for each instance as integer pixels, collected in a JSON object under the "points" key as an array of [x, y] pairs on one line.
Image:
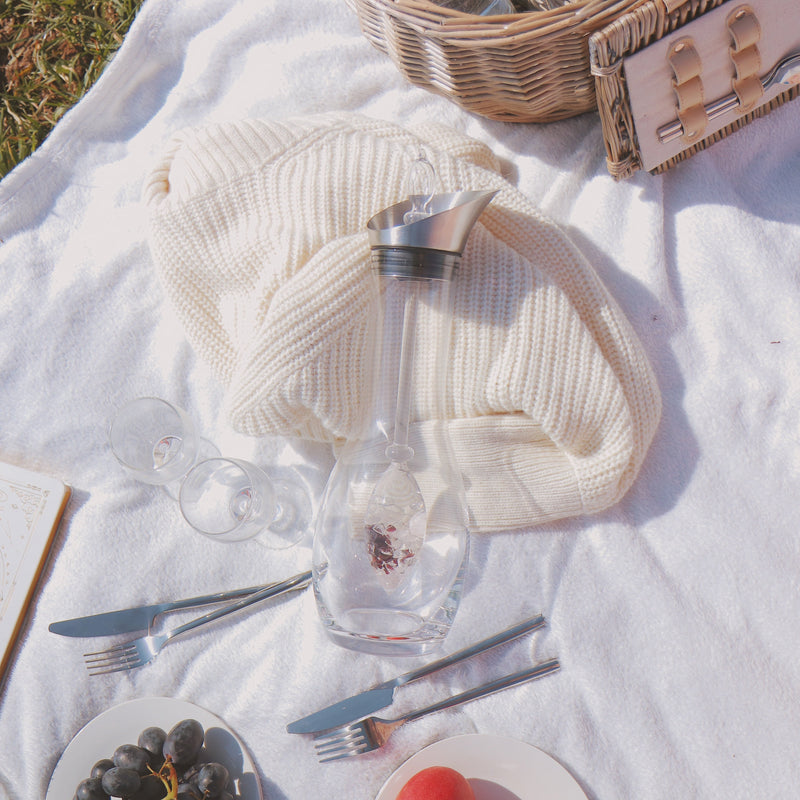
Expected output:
{"points": [[391, 540]]}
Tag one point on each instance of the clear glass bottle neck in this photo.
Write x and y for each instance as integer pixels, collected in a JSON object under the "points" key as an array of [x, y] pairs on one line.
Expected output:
{"points": [[410, 365]]}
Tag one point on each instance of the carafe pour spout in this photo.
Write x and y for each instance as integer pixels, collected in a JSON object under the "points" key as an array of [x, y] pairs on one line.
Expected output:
{"points": [[431, 246]]}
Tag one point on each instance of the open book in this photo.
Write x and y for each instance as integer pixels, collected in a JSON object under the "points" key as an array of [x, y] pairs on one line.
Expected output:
{"points": [[30, 508]]}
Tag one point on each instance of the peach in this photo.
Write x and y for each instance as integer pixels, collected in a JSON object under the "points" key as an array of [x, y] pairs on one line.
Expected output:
{"points": [[437, 783]]}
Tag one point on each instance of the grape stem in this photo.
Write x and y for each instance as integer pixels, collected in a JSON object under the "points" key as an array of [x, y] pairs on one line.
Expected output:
{"points": [[170, 780]]}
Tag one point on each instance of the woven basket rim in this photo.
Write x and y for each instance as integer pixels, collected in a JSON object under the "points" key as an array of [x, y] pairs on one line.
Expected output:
{"points": [[448, 24]]}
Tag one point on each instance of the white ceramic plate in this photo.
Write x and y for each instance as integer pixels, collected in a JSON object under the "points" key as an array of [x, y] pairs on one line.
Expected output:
{"points": [[497, 768], [122, 724]]}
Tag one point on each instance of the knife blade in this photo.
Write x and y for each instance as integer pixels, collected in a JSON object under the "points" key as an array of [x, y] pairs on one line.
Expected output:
{"points": [[129, 620], [381, 695]]}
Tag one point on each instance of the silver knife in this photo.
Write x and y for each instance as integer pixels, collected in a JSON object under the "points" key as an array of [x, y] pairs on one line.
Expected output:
{"points": [[141, 618], [380, 696]]}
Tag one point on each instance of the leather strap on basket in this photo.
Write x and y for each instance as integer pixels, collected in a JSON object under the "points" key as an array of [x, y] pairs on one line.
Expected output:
{"points": [[688, 85], [745, 33]]}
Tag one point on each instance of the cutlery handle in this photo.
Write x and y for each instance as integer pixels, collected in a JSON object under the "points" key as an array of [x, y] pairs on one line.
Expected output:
{"points": [[297, 582], [208, 599], [514, 632], [538, 671]]}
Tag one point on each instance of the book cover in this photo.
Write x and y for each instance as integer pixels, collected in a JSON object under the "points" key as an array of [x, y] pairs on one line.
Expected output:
{"points": [[31, 505]]}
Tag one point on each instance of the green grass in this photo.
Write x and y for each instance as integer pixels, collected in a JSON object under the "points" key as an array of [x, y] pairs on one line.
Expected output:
{"points": [[50, 55]]}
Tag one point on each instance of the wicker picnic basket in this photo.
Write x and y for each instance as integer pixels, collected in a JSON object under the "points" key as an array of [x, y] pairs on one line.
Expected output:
{"points": [[624, 132], [526, 67]]}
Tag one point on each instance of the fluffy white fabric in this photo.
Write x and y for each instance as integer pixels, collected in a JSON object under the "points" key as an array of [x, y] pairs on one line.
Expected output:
{"points": [[674, 612]]}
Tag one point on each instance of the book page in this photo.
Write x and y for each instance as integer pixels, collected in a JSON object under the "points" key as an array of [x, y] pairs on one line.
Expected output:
{"points": [[30, 508]]}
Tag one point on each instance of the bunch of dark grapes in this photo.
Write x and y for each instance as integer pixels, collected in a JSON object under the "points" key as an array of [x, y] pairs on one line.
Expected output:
{"points": [[160, 766]]}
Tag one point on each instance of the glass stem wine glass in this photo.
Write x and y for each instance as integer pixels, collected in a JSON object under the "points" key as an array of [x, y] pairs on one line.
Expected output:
{"points": [[157, 443], [231, 500]]}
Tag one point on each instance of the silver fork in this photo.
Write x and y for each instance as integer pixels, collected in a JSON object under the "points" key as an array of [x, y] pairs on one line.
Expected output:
{"points": [[371, 733], [138, 652]]}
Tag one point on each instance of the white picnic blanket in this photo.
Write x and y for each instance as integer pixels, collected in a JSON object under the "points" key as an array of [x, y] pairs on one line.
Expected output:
{"points": [[674, 613]]}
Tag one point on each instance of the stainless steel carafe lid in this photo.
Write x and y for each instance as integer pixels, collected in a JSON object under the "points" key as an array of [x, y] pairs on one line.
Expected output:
{"points": [[429, 248]]}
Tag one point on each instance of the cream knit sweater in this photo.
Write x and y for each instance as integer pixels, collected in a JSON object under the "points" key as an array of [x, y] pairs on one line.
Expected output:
{"points": [[258, 232]]}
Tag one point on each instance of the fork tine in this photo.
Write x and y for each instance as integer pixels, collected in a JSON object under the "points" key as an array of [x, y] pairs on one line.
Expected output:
{"points": [[115, 659], [341, 733], [120, 658], [109, 650], [99, 663], [111, 667], [337, 734], [122, 654], [345, 754], [343, 750], [350, 739]]}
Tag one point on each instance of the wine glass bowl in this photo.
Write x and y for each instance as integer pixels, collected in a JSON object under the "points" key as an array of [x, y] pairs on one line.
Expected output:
{"points": [[154, 441], [224, 498], [231, 500]]}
